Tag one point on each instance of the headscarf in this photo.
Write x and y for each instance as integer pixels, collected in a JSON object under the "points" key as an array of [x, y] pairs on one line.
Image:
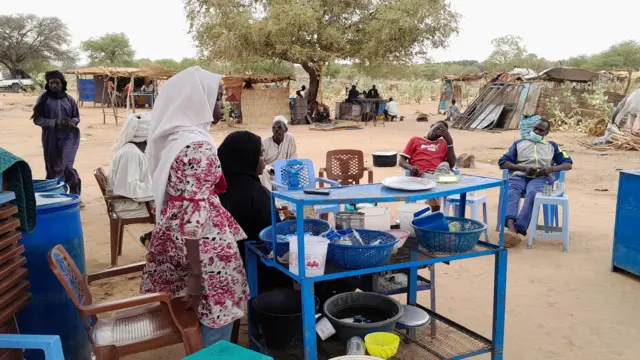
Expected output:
{"points": [[40, 107], [135, 129], [182, 115], [280, 118], [239, 155], [246, 199]]}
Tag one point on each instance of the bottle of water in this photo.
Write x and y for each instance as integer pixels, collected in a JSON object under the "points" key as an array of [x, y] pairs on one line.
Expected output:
{"points": [[355, 346]]}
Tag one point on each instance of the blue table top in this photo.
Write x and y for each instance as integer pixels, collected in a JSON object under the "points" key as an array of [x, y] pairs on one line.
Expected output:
{"points": [[380, 193]]}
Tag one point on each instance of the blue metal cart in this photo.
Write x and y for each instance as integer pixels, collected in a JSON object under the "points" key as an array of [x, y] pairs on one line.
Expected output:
{"points": [[452, 340]]}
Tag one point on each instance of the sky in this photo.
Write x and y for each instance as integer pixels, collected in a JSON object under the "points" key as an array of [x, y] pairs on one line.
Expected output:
{"points": [[554, 29]]}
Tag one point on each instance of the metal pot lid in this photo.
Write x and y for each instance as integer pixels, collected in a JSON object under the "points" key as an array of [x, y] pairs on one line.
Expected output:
{"points": [[385, 153], [413, 317]]}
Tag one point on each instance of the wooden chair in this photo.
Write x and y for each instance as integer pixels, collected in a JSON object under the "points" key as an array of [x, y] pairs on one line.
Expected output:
{"points": [[117, 224], [346, 167], [139, 324]]}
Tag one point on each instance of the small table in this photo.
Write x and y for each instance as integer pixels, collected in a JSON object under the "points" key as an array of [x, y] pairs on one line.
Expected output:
{"points": [[152, 95]]}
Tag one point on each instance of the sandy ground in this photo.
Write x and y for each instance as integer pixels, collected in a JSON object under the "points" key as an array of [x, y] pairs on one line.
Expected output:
{"points": [[559, 305]]}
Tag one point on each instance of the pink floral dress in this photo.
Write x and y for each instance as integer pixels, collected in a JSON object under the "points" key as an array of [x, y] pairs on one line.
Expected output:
{"points": [[194, 210]]}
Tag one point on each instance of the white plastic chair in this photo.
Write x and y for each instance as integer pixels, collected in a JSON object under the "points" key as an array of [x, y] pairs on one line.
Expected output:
{"points": [[548, 231], [474, 202]]}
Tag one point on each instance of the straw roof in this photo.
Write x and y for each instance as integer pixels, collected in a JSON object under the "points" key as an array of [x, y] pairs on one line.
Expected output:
{"points": [[149, 70]]}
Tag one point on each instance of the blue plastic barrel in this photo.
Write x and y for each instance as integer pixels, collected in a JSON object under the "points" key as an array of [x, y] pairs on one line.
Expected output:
{"points": [[51, 311], [49, 186]]}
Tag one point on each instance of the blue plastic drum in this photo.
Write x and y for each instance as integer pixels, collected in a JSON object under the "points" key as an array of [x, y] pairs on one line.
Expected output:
{"points": [[49, 186], [50, 311]]}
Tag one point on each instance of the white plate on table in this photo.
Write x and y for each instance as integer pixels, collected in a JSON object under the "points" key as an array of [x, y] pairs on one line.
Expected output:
{"points": [[408, 183]]}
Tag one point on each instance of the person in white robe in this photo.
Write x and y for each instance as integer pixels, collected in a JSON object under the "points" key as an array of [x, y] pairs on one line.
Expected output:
{"points": [[280, 146], [129, 171]]}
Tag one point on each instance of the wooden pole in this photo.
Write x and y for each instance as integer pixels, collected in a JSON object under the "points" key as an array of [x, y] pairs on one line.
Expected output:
{"points": [[113, 100], [104, 85], [626, 89], [129, 96], [78, 88]]}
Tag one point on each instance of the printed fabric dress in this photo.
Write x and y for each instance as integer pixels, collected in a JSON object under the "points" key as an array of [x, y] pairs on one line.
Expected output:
{"points": [[193, 210]]}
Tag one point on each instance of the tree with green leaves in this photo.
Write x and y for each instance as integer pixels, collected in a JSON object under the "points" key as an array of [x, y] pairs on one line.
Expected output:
{"points": [[28, 41], [507, 51], [112, 49], [621, 56], [315, 33]]}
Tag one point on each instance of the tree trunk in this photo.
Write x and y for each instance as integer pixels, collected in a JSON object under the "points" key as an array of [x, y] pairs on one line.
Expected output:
{"points": [[315, 75], [626, 89]]}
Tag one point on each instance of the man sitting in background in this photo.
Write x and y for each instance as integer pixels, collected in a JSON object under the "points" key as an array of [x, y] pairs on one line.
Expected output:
{"points": [[430, 155], [129, 171], [531, 162], [391, 111], [453, 111]]}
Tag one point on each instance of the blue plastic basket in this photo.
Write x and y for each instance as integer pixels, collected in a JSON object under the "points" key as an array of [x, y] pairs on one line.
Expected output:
{"points": [[451, 242], [363, 256], [315, 226]]}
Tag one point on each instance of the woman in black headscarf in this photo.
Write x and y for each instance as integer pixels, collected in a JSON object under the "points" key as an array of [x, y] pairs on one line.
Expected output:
{"points": [[246, 199], [250, 204]]}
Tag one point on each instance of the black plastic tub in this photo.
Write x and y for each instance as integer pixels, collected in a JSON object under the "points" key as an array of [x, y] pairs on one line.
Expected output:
{"points": [[279, 315], [385, 159], [382, 310]]}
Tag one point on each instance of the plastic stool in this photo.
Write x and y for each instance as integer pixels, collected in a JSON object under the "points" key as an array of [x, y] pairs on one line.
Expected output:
{"points": [[50, 344], [474, 202], [548, 231], [224, 350]]}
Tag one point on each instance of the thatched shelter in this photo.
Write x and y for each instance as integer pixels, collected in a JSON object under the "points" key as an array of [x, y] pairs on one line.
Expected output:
{"points": [[259, 103], [91, 84]]}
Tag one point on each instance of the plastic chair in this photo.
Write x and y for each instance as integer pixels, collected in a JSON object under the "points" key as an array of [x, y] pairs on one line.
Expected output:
{"points": [[346, 167], [116, 223], [474, 202], [139, 324], [50, 344], [297, 174], [551, 229], [550, 211]]}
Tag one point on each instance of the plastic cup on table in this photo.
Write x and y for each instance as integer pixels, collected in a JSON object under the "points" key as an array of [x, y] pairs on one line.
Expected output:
{"points": [[315, 253]]}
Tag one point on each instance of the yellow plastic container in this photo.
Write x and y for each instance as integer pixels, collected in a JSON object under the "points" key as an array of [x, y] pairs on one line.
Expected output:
{"points": [[382, 344]]}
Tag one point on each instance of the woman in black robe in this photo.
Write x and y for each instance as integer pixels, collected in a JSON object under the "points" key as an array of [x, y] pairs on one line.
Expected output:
{"points": [[246, 199]]}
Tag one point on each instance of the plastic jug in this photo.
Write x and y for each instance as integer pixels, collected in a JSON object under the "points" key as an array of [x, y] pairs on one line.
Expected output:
{"points": [[432, 221]]}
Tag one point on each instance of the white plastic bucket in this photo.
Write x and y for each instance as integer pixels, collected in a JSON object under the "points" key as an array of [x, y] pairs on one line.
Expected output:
{"points": [[405, 213], [315, 253], [377, 218]]}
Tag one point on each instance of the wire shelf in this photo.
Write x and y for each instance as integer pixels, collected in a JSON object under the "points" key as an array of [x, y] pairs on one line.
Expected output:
{"points": [[452, 340]]}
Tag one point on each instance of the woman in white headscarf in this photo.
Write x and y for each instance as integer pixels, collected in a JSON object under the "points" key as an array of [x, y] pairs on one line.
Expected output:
{"points": [[280, 146], [129, 170], [193, 251]]}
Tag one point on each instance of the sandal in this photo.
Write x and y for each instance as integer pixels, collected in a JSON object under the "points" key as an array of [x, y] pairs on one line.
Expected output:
{"points": [[145, 239]]}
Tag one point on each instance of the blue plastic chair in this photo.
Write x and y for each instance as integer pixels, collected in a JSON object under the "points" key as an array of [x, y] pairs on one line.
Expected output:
{"points": [[550, 211], [299, 174], [50, 344]]}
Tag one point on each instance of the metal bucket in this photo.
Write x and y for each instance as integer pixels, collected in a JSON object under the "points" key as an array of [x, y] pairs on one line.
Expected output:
{"points": [[349, 219]]}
